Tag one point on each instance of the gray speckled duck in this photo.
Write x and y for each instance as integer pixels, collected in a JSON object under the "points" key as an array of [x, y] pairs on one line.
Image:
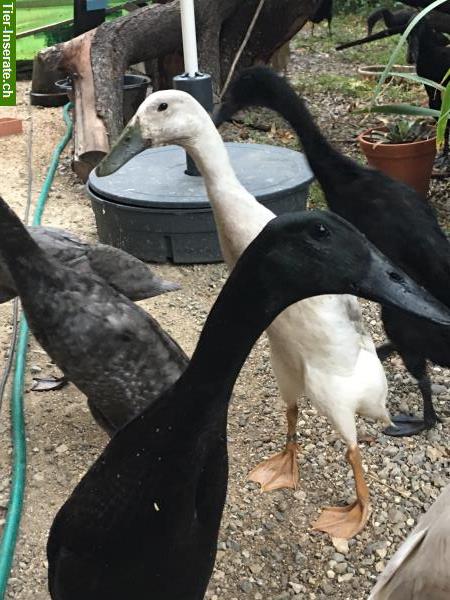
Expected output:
{"points": [[111, 349]]}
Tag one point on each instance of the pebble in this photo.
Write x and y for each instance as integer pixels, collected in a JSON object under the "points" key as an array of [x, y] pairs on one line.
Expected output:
{"points": [[396, 516], [438, 389], [246, 586]]}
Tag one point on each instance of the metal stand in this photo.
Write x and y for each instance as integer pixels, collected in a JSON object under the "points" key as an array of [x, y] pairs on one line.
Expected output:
{"points": [[200, 87]]}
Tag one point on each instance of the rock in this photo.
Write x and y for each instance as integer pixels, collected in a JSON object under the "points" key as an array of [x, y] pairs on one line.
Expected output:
{"points": [[433, 453], [438, 389], [341, 568], [379, 566], [396, 516], [338, 557], [328, 589], [246, 586], [255, 569], [417, 458], [390, 451], [345, 578], [61, 449], [331, 574], [297, 587], [340, 544]]}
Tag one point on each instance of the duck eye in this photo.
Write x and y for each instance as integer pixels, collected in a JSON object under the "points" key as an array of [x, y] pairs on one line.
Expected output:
{"points": [[320, 232], [163, 106]]}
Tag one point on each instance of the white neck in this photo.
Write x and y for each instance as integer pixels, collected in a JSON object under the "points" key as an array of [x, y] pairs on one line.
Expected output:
{"points": [[239, 217]]}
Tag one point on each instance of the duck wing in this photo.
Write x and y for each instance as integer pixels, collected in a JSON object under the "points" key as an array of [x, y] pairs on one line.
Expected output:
{"points": [[127, 274]]}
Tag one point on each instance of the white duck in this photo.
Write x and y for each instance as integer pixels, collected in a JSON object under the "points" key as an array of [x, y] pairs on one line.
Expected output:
{"points": [[319, 346]]}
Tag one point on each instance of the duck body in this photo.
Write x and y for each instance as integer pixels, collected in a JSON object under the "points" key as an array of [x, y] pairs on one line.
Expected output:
{"points": [[429, 51], [431, 57], [120, 270], [355, 382], [111, 349], [405, 229], [144, 520]]}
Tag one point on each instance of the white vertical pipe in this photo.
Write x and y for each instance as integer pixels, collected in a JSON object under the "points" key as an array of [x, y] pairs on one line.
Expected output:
{"points": [[189, 37]]}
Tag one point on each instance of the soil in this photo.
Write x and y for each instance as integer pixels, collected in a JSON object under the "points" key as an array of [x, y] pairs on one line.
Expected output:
{"points": [[267, 550]]}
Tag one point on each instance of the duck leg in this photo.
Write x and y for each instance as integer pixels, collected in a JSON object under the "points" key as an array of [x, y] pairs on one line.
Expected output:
{"points": [[281, 470], [347, 521], [406, 425]]}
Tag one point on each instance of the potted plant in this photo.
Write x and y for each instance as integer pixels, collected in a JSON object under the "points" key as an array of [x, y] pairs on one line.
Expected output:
{"points": [[403, 149], [441, 117]]}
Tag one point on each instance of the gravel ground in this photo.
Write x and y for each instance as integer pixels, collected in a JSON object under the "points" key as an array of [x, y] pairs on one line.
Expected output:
{"points": [[266, 549]]}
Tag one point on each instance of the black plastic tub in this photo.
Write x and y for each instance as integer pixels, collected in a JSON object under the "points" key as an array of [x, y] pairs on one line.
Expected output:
{"points": [[134, 92], [153, 210]]}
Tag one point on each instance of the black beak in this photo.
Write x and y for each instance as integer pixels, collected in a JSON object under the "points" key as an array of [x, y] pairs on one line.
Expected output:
{"points": [[129, 144], [389, 286]]}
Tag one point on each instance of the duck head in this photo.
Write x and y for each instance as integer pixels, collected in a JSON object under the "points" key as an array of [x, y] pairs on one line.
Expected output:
{"points": [[166, 117], [341, 260]]}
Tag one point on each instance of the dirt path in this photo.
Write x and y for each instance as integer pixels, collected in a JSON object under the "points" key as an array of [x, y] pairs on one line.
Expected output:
{"points": [[266, 551]]}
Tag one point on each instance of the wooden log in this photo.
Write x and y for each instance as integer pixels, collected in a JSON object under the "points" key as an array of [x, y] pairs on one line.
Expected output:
{"points": [[90, 136]]}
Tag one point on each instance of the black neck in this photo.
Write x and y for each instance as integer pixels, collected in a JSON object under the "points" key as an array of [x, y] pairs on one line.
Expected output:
{"points": [[330, 167]]}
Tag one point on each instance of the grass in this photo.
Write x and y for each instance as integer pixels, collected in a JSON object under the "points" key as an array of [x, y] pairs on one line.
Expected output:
{"points": [[31, 18], [345, 29], [350, 85]]}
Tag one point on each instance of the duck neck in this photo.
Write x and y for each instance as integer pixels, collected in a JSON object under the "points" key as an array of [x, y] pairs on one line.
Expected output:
{"points": [[330, 167], [231, 203], [212, 160]]}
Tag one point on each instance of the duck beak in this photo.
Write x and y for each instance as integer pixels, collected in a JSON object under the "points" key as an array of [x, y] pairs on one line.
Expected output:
{"points": [[129, 144], [390, 286]]}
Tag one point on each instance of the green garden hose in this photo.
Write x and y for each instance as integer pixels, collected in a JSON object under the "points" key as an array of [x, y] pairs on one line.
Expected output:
{"points": [[11, 529]]}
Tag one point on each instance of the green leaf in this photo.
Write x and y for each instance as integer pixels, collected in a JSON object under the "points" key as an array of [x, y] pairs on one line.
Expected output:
{"points": [[404, 109], [446, 76], [418, 79], [401, 41], [443, 118]]}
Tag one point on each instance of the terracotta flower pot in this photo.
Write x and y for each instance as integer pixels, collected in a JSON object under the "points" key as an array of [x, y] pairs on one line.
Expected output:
{"points": [[411, 163]]}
